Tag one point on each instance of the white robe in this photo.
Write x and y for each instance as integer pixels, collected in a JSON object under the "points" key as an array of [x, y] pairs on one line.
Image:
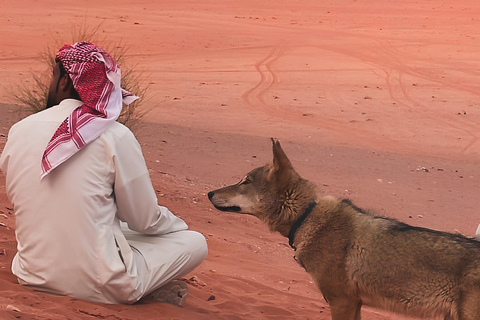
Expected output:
{"points": [[68, 228]]}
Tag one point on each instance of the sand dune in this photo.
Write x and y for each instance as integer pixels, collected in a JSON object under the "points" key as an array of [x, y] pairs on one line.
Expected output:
{"points": [[373, 100]]}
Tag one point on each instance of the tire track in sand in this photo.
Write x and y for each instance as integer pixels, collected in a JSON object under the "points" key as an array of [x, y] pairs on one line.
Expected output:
{"points": [[394, 64], [268, 78], [403, 97], [400, 94], [255, 98]]}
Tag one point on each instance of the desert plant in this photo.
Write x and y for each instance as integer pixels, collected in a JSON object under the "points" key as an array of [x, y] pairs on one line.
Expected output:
{"points": [[34, 95]]}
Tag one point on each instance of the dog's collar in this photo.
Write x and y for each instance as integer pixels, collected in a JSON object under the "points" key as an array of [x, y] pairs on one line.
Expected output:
{"points": [[298, 223]]}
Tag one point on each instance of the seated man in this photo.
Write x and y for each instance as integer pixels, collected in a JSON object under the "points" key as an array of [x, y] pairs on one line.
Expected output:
{"points": [[77, 179]]}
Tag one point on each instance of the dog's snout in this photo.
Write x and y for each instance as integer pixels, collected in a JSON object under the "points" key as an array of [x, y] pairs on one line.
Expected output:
{"points": [[210, 195]]}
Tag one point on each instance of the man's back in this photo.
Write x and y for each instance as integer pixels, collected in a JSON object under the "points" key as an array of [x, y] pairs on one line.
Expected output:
{"points": [[67, 220]]}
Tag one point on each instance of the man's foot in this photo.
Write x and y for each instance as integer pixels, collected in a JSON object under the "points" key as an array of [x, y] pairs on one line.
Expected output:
{"points": [[174, 292], [477, 234]]}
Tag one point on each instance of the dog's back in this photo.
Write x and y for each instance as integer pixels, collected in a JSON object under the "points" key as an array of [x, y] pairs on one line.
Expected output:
{"points": [[389, 264]]}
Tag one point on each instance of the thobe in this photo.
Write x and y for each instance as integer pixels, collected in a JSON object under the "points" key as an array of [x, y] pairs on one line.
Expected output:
{"points": [[71, 226]]}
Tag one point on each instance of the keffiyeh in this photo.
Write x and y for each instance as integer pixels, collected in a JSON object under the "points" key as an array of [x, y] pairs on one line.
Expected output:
{"points": [[96, 78]]}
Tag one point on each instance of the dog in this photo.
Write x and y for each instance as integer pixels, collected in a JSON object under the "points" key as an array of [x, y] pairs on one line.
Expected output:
{"points": [[355, 257]]}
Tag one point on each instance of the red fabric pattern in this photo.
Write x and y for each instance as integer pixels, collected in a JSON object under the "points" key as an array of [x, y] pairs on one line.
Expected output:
{"points": [[88, 66]]}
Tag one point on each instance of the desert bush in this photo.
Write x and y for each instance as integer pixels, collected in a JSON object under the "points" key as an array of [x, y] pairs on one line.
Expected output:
{"points": [[33, 95]]}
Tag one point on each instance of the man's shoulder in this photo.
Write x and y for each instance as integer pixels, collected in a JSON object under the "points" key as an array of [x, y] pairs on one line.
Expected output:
{"points": [[25, 123], [33, 117], [117, 128], [117, 137], [118, 131], [55, 114]]}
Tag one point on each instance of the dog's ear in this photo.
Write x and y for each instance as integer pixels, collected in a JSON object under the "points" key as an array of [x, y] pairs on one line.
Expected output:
{"points": [[282, 168], [280, 159]]}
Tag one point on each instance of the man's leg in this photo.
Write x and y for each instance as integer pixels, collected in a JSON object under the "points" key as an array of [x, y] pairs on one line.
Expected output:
{"points": [[161, 259]]}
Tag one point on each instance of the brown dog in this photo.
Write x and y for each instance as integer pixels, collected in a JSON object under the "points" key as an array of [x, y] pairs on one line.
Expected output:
{"points": [[355, 257]]}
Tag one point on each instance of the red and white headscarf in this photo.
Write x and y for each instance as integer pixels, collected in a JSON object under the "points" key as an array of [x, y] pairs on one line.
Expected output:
{"points": [[96, 77]]}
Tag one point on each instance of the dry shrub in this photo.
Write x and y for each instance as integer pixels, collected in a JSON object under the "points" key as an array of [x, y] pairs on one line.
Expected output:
{"points": [[34, 97]]}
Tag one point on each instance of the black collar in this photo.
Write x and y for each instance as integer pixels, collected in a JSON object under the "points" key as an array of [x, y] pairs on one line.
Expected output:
{"points": [[298, 223]]}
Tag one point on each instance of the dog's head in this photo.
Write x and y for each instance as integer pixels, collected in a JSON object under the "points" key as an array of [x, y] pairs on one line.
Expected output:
{"points": [[264, 191]]}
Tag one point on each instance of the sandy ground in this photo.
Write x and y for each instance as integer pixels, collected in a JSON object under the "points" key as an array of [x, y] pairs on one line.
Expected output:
{"points": [[374, 100]]}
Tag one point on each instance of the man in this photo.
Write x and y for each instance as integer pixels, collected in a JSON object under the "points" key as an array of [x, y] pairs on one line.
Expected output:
{"points": [[74, 175]]}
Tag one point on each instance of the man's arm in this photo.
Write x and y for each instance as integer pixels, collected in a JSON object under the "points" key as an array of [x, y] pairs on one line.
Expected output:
{"points": [[134, 194]]}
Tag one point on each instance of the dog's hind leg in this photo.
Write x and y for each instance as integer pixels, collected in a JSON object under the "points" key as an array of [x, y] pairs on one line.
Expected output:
{"points": [[345, 309]]}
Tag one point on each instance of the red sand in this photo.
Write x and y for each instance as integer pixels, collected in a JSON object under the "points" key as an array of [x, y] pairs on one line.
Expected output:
{"points": [[362, 94]]}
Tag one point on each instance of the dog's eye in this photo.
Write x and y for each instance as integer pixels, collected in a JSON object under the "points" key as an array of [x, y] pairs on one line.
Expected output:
{"points": [[246, 180]]}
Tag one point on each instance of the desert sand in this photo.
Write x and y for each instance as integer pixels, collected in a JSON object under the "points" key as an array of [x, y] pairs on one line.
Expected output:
{"points": [[374, 100]]}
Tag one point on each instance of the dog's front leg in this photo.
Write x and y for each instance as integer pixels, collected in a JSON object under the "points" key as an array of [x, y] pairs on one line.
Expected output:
{"points": [[345, 308]]}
